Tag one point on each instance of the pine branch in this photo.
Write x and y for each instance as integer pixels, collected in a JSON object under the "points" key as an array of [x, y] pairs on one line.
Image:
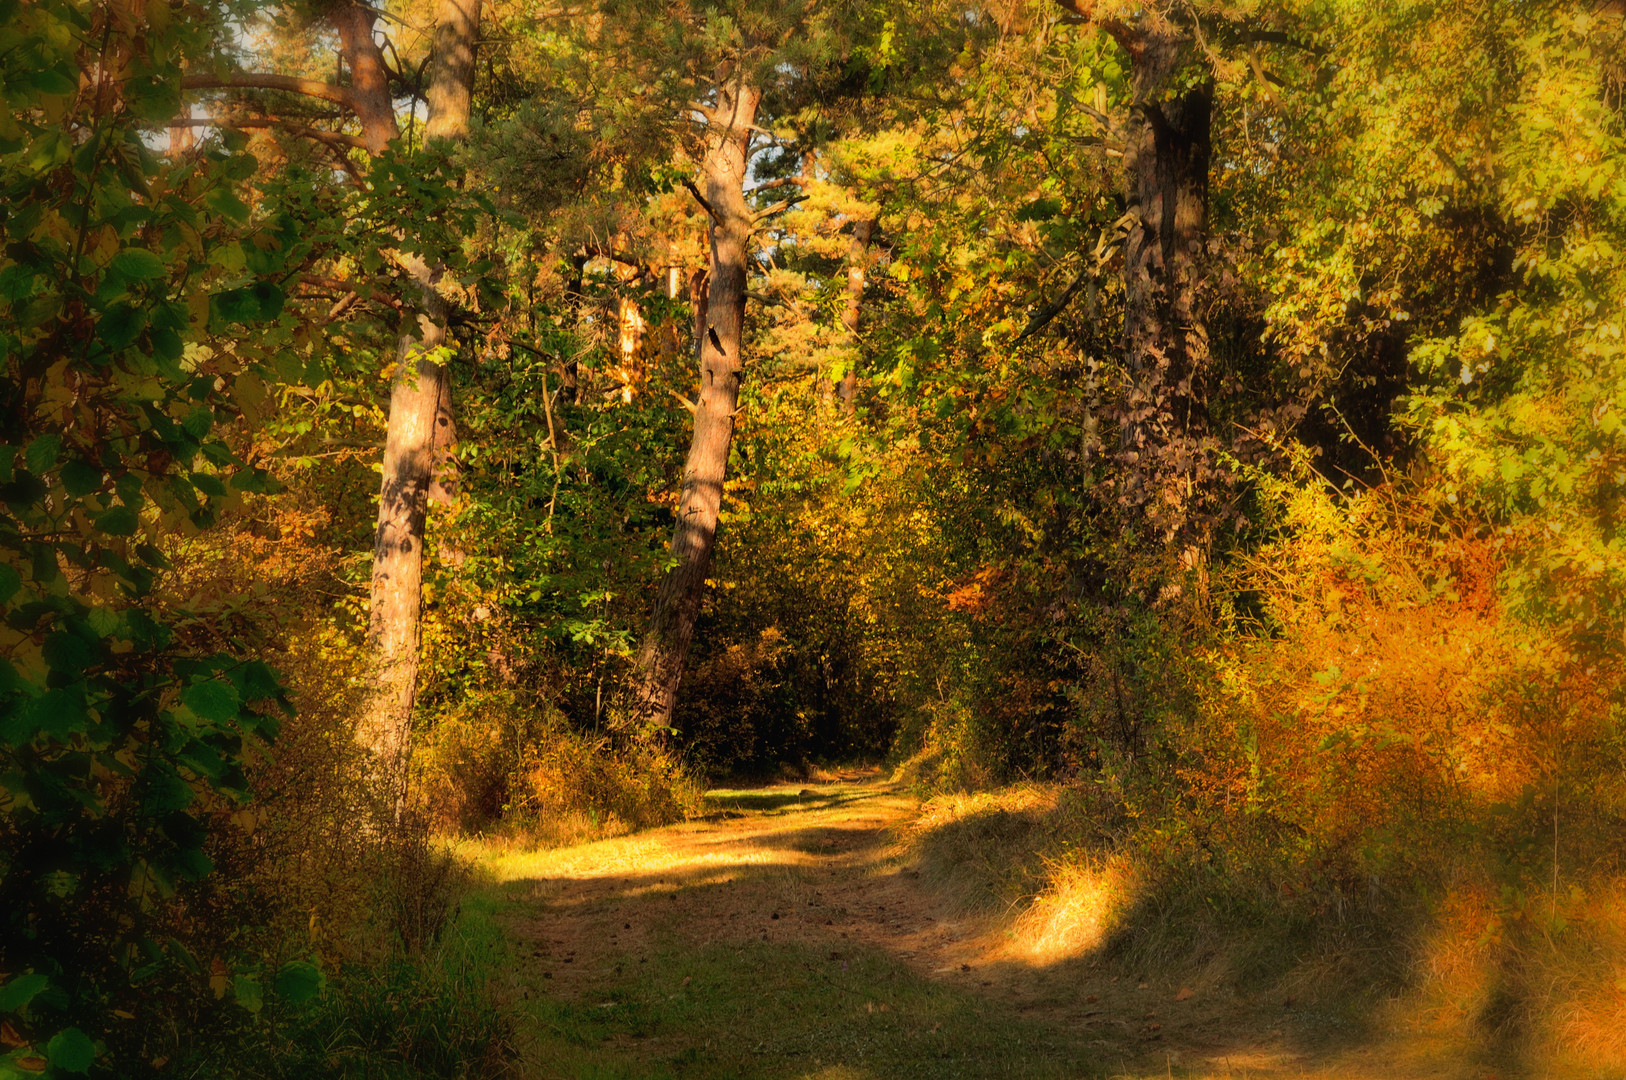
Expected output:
{"points": [[259, 80], [338, 138], [702, 200]]}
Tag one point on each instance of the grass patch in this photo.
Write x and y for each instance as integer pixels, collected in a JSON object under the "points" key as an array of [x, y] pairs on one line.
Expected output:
{"points": [[788, 1010]]}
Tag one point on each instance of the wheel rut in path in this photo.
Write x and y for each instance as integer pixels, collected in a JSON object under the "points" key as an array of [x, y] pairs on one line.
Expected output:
{"points": [[786, 934]]}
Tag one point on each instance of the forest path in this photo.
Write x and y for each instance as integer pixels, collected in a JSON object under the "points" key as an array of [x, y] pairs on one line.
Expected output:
{"points": [[786, 935]]}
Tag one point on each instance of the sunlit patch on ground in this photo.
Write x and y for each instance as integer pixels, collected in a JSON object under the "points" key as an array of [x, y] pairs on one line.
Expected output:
{"points": [[799, 934], [1084, 903]]}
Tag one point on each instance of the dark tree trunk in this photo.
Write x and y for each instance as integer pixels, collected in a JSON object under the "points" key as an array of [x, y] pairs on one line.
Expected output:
{"points": [[720, 322], [857, 258], [575, 296], [1164, 434]]}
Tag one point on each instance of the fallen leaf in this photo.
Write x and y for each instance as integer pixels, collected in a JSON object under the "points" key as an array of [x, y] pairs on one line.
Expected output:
{"points": [[9, 1035], [32, 1064], [1092, 999], [687, 979], [1185, 994]]}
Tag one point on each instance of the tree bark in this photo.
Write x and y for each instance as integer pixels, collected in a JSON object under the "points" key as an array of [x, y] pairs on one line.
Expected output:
{"points": [[369, 90], [419, 438], [720, 325], [630, 327], [1165, 343], [857, 258], [421, 432]]}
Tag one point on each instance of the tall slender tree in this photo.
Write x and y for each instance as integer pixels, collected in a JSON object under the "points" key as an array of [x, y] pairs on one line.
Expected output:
{"points": [[417, 447], [420, 428], [1166, 151], [720, 336]]}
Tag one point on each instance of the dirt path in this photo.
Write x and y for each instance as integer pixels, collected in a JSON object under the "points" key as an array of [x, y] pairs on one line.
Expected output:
{"points": [[787, 935]]}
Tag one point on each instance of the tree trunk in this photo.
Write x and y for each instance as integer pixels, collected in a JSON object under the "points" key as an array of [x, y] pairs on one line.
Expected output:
{"points": [[671, 628], [1166, 159], [630, 327], [369, 78], [420, 435], [857, 257]]}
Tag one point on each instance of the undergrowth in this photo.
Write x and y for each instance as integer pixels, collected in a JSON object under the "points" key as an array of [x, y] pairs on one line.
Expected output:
{"points": [[1377, 786]]}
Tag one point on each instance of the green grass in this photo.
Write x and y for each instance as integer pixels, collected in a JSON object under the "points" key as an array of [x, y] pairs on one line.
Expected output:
{"points": [[782, 1011]]}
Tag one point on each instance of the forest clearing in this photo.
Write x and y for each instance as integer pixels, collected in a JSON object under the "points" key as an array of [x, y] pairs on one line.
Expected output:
{"points": [[812, 538]]}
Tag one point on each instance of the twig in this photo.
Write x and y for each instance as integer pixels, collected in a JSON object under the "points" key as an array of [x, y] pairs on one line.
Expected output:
{"points": [[702, 200], [1043, 317], [778, 207]]}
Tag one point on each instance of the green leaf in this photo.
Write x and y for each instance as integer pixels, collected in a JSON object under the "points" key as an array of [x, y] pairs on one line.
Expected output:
{"points": [[118, 521], [71, 1051], [256, 680], [10, 582], [225, 202], [299, 981], [246, 990], [49, 150], [55, 80], [167, 345], [212, 700], [270, 299], [236, 305], [120, 326], [192, 863], [42, 453], [166, 791], [81, 478], [139, 264], [68, 652], [199, 421], [17, 993], [202, 759]]}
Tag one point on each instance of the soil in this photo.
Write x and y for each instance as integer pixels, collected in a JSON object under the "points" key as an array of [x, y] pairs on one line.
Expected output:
{"points": [[820, 868]]}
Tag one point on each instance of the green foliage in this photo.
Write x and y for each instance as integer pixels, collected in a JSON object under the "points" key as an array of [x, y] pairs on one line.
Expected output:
{"points": [[128, 721]]}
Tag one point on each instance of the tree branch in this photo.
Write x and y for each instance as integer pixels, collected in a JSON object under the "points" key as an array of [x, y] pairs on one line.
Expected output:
{"points": [[258, 80], [781, 205], [1277, 37], [1043, 317], [783, 181], [596, 252], [338, 138], [702, 200]]}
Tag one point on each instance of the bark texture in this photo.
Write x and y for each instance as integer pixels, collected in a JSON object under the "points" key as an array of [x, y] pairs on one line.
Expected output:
{"points": [[719, 335], [369, 91], [421, 432], [1164, 442], [857, 262], [417, 452]]}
